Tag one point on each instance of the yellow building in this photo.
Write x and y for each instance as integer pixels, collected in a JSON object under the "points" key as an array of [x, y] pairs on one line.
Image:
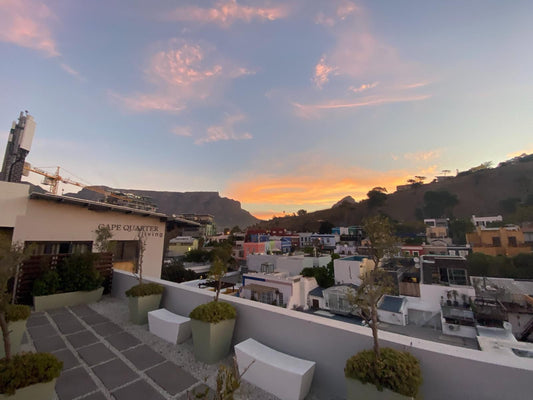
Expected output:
{"points": [[507, 240], [180, 245]]}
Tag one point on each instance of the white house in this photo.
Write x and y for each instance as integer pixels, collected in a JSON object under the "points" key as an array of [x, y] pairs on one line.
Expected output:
{"points": [[349, 269], [393, 310], [277, 288]]}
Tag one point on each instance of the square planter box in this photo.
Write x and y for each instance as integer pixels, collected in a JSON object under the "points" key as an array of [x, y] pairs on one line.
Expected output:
{"points": [[16, 331], [41, 391], [212, 342], [51, 301], [140, 307], [359, 390]]}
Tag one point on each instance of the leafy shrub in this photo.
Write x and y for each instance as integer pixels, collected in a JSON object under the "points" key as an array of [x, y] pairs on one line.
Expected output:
{"points": [[395, 370], [176, 272], [48, 283], [145, 289], [75, 272], [27, 369], [17, 312], [213, 312]]}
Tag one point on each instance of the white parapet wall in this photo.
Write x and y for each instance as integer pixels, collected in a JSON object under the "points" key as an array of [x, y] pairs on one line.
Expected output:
{"points": [[449, 372]]}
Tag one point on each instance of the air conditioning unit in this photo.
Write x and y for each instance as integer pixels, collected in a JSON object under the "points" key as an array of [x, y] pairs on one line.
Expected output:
{"points": [[451, 327]]}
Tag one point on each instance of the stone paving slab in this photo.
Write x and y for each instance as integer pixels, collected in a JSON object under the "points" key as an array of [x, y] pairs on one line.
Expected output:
{"points": [[93, 319], [68, 358], [36, 320], [70, 327], [107, 329], [139, 390], [63, 318], [74, 383], [123, 341], [82, 309], [114, 373], [143, 357], [96, 396], [171, 377], [81, 339], [96, 354], [49, 344], [56, 311], [42, 331]]}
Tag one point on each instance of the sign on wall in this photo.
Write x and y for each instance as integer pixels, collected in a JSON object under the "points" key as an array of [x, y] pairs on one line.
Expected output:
{"points": [[143, 230]]}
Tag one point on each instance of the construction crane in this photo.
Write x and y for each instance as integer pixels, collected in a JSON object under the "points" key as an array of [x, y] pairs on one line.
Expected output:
{"points": [[127, 199]]}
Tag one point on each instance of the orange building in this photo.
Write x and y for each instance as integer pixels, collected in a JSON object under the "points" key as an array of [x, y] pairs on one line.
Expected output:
{"points": [[507, 240]]}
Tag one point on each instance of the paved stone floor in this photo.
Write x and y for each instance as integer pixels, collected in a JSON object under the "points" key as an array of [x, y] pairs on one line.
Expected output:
{"points": [[101, 360]]}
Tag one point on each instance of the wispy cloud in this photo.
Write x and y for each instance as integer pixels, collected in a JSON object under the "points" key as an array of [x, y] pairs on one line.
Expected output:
{"points": [[337, 11], [225, 131], [72, 71], [182, 131], [311, 110], [363, 87], [322, 72], [423, 155], [26, 23], [225, 13], [182, 73]]}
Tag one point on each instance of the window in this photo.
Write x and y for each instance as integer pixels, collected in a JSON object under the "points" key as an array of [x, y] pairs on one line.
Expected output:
{"points": [[496, 242], [512, 241], [60, 247], [457, 276], [126, 250]]}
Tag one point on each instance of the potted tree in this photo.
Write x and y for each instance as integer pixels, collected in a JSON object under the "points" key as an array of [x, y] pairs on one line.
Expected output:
{"points": [[392, 373], [27, 375], [74, 281], [143, 297], [212, 323]]}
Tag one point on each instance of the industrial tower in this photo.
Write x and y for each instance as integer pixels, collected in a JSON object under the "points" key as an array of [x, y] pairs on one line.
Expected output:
{"points": [[18, 147]]}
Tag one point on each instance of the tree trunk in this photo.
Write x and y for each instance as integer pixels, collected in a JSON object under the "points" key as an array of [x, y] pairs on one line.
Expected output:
{"points": [[5, 334], [375, 329], [219, 286]]}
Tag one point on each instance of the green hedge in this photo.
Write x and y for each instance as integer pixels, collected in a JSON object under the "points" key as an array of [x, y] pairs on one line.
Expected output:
{"points": [[214, 312], [75, 273], [145, 289], [26, 369], [395, 370], [17, 312]]}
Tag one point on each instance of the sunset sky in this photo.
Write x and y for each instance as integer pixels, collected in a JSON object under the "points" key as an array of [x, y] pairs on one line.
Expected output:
{"points": [[281, 105]]}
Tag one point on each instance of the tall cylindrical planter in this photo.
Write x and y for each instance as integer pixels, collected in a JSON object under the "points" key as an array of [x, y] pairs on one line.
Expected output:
{"points": [[16, 331], [358, 390], [140, 306], [212, 341]]}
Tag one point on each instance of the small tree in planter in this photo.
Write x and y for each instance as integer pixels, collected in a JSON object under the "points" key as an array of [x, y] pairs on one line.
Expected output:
{"points": [[386, 368], [143, 297], [212, 323], [32, 375]]}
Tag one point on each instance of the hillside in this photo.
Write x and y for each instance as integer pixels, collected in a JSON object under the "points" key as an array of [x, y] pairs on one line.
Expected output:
{"points": [[478, 193], [227, 212]]}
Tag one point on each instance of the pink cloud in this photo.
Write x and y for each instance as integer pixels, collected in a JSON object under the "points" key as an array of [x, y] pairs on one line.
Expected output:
{"points": [[225, 13], [322, 72], [182, 74], [363, 87], [26, 23], [311, 110], [182, 131], [423, 155], [336, 12], [225, 131]]}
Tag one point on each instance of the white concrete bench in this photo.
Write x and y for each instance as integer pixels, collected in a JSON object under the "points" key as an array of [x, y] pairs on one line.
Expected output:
{"points": [[169, 326], [286, 377]]}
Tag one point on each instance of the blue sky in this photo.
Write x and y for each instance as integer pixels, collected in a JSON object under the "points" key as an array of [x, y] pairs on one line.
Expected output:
{"points": [[281, 105]]}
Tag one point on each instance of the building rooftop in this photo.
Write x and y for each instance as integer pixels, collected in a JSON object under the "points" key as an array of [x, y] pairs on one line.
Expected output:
{"points": [[392, 303], [107, 357]]}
